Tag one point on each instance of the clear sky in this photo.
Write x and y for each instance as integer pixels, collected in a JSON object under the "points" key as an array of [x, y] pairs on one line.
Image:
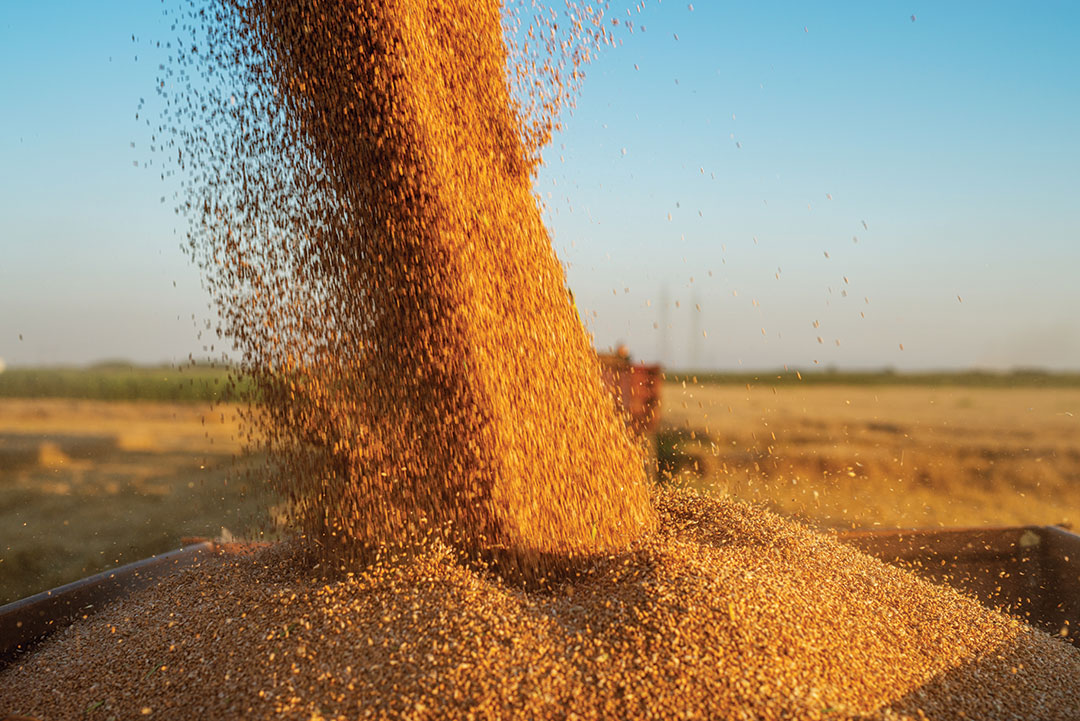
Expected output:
{"points": [[726, 156]]}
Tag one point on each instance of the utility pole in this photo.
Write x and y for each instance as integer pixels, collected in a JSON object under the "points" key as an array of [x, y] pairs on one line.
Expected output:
{"points": [[662, 350], [695, 332]]}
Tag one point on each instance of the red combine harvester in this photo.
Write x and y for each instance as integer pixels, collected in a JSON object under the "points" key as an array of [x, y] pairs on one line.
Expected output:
{"points": [[636, 387]]}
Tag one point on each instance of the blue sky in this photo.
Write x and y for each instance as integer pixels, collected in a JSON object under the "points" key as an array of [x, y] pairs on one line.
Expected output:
{"points": [[769, 133]]}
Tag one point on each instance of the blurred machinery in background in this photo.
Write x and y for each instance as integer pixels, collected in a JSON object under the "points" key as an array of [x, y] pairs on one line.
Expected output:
{"points": [[636, 387]]}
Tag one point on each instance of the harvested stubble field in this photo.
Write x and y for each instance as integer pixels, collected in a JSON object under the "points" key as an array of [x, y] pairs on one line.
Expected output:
{"points": [[86, 485], [847, 456]]}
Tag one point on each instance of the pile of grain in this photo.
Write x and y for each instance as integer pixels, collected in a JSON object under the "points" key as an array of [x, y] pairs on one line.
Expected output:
{"points": [[365, 218], [725, 612]]}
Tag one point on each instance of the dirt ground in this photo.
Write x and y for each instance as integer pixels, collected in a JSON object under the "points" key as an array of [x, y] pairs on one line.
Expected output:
{"points": [[889, 456], [85, 485]]}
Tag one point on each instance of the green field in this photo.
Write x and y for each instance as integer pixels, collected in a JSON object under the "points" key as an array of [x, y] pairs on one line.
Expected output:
{"points": [[124, 382], [1020, 378], [120, 381]]}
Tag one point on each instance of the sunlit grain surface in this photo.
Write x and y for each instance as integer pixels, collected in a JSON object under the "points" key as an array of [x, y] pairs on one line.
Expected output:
{"points": [[727, 612]]}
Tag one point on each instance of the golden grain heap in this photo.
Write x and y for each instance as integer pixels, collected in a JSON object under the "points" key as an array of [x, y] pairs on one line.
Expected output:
{"points": [[724, 612], [367, 225]]}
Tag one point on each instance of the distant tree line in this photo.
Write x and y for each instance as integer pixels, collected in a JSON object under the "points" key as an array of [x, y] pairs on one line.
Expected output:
{"points": [[115, 381], [1018, 378]]}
